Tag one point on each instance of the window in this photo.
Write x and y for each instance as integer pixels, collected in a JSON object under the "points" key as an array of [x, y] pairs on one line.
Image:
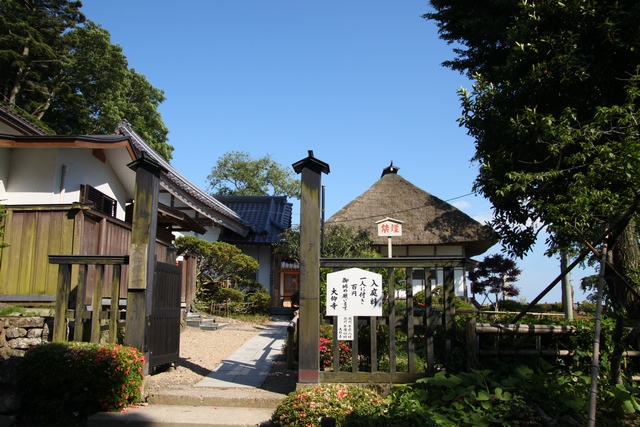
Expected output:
{"points": [[101, 202]]}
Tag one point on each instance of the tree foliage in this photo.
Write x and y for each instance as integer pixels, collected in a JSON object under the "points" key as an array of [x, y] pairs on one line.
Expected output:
{"points": [[339, 242], [553, 110], [554, 114], [64, 71], [495, 275], [236, 173], [217, 262]]}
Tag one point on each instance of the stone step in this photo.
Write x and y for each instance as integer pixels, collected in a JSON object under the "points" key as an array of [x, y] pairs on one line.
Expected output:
{"points": [[207, 324], [183, 416]]}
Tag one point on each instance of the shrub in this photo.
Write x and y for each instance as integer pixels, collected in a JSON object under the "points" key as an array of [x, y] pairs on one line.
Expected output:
{"points": [[260, 302], [436, 298], [67, 382], [228, 294], [307, 407], [510, 305]]}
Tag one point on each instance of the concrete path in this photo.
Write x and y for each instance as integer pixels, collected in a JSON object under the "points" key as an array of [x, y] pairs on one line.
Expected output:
{"points": [[247, 367], [251, 363]]}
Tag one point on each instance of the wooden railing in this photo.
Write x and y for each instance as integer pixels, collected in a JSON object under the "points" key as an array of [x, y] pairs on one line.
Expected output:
{"points": [[292, 341], [475, 330], [80, 312]]}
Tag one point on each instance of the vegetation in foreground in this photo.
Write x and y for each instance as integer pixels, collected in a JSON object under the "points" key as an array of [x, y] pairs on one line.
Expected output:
{"points": [[62, 384], [524, 398]]}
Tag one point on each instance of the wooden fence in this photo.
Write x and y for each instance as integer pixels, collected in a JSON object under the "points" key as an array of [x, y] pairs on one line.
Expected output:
{"points": [[35, 232], [80, 312], [163, 328], [476, 333], [419, 325]]}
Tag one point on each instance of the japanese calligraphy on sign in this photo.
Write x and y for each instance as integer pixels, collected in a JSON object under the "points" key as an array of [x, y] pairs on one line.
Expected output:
{"points": [[345, 328], [354, 292], [389, 227]]}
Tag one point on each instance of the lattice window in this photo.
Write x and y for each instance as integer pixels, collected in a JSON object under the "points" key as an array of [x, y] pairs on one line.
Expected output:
{"points": [[101, 202]]}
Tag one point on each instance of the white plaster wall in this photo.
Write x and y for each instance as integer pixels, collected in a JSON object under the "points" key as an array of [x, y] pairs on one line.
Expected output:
{"points": [[31, 178], [458, 280], [82, 167], [264, 273], [5, 156], [36, 177]]}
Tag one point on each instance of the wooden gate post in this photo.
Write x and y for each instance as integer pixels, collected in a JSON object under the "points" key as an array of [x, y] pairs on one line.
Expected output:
{"points": [[309, 332], [142, 254]]}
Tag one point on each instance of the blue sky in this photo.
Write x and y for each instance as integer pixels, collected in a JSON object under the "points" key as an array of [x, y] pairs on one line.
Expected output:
{"points": [[358, 82]]}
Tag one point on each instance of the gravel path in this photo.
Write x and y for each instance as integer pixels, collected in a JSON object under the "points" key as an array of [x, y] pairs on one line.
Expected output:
{"points": [[202, 351]]}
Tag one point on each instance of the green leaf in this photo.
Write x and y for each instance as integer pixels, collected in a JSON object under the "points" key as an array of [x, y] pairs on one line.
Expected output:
{"points": [[483, 396]]}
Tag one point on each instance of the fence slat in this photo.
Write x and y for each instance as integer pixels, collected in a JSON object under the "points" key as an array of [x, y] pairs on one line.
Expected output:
{"points": [[81, 292], [392, 320], [114, 312], [97, 304], [411, 345], [62, 296]]}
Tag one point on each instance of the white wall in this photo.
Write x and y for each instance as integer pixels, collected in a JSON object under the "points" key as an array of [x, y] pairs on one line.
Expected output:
{"points": [[419, 285], [5, 155], [37, 176], [264, 273]]}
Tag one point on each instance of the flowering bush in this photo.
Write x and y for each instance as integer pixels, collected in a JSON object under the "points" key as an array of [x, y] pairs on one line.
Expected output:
{"points": [[346, 403], [67, 382], [326, 350]]}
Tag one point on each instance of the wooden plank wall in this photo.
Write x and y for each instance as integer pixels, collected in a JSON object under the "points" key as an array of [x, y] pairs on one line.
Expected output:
{"points": [[35, 232], [32, 236]]}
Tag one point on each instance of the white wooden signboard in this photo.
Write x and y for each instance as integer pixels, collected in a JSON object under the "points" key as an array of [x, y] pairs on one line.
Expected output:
{"points": [[389, 227], [353, 292]]}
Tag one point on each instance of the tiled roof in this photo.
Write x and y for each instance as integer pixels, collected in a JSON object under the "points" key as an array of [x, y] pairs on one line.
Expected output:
{"points": [[183, 189], [16, 120], [268, 216]]}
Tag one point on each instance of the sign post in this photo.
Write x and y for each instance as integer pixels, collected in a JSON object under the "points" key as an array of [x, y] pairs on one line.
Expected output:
{"points": [[389, 227]]}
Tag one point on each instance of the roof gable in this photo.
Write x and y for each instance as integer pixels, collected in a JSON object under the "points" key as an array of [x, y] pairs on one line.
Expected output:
{"points": [[268, 216], [181, 188], [427, 220]]}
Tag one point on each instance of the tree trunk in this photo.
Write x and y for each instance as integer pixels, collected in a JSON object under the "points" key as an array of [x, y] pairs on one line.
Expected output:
{"points": [[18, 80], [618, 348], [626, 259]]}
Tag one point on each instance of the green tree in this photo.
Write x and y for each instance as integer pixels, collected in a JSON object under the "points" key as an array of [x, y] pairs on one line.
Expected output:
{"points": [[495, 275], [339, 242], [65, 72], [98, 84], [553, 111], [222, 270], [217, 262], [32, 49], [236, 173]]}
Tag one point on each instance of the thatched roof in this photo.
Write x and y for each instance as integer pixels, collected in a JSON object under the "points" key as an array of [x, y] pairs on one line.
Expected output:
{"points": [[427, 220]]}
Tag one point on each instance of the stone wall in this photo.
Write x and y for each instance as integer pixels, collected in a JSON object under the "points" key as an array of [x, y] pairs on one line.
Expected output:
{"points": [[18, 334]]}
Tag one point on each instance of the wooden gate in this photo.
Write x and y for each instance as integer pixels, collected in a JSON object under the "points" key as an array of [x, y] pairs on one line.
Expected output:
{"points": [[164, 329]]}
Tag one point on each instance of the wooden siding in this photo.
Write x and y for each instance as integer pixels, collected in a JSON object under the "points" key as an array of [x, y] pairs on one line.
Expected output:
{"points": [[35, 232], [32, 236]]}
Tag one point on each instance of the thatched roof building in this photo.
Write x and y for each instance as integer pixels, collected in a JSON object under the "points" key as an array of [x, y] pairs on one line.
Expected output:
{"points": [[430, 226]]}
